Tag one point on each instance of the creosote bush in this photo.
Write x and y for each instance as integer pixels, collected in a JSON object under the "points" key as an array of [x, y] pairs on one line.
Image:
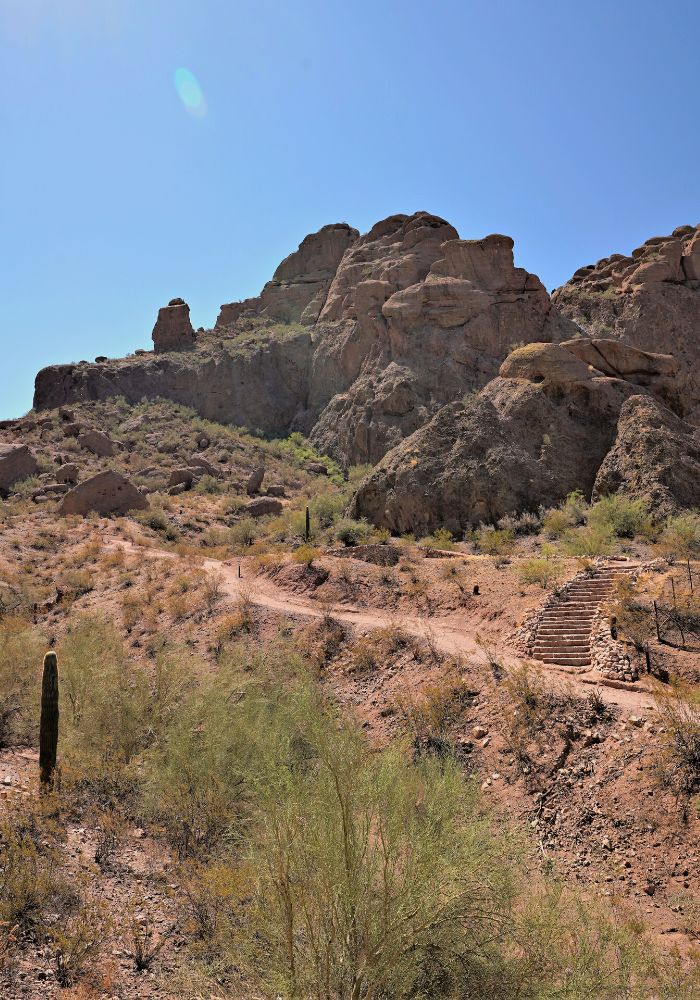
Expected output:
{"points": [[542, 571], [494, 541], [680, 538]]}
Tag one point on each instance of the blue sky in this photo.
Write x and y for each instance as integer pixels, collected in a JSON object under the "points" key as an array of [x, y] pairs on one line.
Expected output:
{"points": [[572, 127]]}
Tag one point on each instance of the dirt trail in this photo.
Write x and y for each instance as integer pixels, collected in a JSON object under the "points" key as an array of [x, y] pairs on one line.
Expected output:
{"points": [[445, 633]]}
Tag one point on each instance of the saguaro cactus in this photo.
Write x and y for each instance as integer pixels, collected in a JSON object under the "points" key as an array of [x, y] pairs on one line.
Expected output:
{"points": [[48, 726], [307, 530]]}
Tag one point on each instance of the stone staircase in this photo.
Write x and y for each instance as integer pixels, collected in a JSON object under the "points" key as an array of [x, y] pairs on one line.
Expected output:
{"points": [[564, 629]]}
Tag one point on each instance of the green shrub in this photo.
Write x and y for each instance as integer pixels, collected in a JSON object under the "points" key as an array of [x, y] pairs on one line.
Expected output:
{"points": [[588, 540], [575, 507], [441, 538], [621, 516], [680, 538], [351, 532], [21, 652], [305, 555], [105, 700], [244, 533], [370, 869], [542, 571], [494, 541], [556, 522]]}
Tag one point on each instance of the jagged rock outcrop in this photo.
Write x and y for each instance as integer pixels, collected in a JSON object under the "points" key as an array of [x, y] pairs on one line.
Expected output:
{"points": [[400, 321], [649, 299], [417, 318], [16, 462], [535, 433], [655, 457], [173, 330], [299, 286], [107, 493]]}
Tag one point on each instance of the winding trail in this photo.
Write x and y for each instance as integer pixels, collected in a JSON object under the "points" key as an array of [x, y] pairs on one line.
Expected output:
{"points": [[445, 633]]}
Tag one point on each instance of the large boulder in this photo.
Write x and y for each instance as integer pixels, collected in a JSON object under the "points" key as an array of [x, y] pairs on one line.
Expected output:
{"points": [[107, 493], [255, 480], [173, 330], [16, 462], [68, 473], [655, 458], [649, 299], [96, 442], [262, 506]]}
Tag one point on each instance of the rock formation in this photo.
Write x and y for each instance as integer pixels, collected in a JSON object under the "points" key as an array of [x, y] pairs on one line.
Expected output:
{"points": [[416, 317], [656, 457], [300, 284], [649, 299], [107, 493], [173, 330], [16, 462], [399, 322], [359, 341], [535, 433]]}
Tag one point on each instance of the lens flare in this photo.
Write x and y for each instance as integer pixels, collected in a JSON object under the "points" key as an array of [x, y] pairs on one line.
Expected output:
{"points": [[190, 92]]}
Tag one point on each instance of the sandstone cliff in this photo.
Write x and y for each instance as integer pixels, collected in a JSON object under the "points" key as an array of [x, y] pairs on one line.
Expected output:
{"points": [[357, 340], [649, 299]]}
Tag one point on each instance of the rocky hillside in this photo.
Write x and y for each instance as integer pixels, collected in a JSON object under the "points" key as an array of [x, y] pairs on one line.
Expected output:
{"points": [[650, 299], [543, 428], [357, 340], [377, 346]]}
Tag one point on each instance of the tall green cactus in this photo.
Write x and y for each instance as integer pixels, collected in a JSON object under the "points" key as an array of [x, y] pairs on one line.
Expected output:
{"points": [[307, 529], [48, 726]]}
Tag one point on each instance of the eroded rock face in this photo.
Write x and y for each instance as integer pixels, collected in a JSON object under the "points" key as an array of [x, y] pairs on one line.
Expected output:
{"points": [[264, 388], [107, 493], [298, 289], [173, 330], [400, 321], [650, 300], [419, 318], [655, 457], [535, 433], [16, 463]]}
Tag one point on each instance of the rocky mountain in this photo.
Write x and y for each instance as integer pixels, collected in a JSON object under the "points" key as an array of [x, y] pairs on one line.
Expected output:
{"points": [[440, 359], [357, 340]]}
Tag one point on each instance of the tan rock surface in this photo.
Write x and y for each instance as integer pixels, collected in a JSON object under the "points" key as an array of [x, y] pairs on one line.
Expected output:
{"points": [[173, 330], [655, 458], [107, 493], [16, 462]]}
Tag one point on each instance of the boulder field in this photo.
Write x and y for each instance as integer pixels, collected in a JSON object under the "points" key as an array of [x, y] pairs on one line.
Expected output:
{"points": [[476, 392]]}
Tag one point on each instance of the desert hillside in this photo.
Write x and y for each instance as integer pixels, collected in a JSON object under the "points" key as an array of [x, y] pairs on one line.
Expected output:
{"points": [[376, 621]]}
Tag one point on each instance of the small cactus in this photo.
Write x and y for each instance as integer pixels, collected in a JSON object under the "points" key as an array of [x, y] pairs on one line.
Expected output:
{"points": [[48, 726]]}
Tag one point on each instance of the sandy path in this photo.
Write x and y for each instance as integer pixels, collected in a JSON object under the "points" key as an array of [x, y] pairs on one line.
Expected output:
{"points": [[444, 633]]}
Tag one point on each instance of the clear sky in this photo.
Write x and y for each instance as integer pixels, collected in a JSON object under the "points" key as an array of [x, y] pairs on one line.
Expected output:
{"points": [[573, 127]]}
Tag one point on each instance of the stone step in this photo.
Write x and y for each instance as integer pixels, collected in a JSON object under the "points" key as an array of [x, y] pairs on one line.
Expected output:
{"points": [[554, 630], [566, 661], [582, 653]]}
